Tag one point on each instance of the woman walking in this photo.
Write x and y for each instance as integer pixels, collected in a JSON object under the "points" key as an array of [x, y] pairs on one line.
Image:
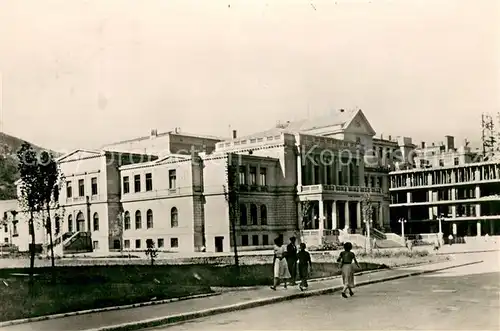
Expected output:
{"points": [[346, 260], [281, 272]]}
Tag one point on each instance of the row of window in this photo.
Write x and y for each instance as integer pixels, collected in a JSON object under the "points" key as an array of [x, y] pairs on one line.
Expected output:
{"points": [[252, 179], [80, 223], [255, 240], [174, 219], [81, 187], [174, 243], [172, 182], [253, 214]]}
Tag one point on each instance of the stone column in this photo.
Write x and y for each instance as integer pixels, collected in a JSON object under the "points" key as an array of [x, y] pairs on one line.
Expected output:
{"points": [[453, 207], [431, 210], [381, 215], [299, 216], [334, 215], [361, 171], [347, 216], [299, 171], [321, 222], [321, 217], [408, 197], [492, 227], [478, 229], [358, 215]]}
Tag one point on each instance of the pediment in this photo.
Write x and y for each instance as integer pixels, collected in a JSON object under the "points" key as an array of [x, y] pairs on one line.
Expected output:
{"points": [[172, 158], [359, 125], [78, 155]]}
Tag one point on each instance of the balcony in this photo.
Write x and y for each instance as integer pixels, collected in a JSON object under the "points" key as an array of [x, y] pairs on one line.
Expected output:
{"points": [[320, 188]]}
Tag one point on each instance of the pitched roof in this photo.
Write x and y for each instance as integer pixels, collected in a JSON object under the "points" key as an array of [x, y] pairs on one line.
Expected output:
{"points": [[337, 118]]}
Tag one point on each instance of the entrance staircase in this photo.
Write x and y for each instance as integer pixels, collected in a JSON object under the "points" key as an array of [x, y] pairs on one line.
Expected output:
{"points": [[382, 240], [71, 243]]}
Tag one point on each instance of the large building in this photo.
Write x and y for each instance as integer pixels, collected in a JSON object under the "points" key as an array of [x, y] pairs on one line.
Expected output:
{"points": [[448, 190], [309, 178]]}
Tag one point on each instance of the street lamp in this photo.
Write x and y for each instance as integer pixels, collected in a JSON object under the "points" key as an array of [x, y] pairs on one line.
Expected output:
{"points": [[440, 233], [402, 221]]}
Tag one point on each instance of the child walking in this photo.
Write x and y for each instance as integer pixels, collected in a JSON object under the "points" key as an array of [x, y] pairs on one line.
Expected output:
{"points": [[305, 266], [346, 260]]}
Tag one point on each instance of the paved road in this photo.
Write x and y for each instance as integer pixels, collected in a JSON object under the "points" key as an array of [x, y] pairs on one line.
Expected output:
{"points": [[465, 298]]}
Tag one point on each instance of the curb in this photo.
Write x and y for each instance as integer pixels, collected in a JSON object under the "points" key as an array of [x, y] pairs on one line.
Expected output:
{"points": [[155, 322], [99, 310], [470, 252]]}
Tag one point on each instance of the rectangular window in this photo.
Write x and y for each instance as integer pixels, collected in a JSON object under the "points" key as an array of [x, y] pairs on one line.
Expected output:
{"points": [[244, 240], [265, 240], [174, 242], [95, 244], [172, 179], [456, 161], [149, 182], [243, 175], [138, 243], [94, 186], [126, 184], [81, 188], [69, 190], [126, 244], [441, 163], [161, 243], [255, 240], [137, 183], [6, 228], [253, 176], [263, 176]]}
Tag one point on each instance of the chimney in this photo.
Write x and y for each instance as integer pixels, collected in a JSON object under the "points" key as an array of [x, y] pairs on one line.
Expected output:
{"points": [[390, 137], [153, 133], [235, 134], [381, 136], [423, 144], [342, 110], [450, 143]]}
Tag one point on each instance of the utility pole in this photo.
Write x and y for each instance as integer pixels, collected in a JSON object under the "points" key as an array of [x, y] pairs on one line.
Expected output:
{"points": [[232, 198]]}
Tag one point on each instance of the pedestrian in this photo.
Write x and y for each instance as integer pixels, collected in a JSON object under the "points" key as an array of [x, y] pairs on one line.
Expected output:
{"points": [[346, 259], [436, 243], [305, 266], [450, 239], [291, 260], [281, 272]]}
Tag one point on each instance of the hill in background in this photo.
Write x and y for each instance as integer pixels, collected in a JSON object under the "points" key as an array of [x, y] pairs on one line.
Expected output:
{"points": [[9, 145]]}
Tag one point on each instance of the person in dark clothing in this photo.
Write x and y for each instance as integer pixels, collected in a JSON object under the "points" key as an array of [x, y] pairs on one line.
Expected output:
{"points": [[291, 259], [305, 266]]}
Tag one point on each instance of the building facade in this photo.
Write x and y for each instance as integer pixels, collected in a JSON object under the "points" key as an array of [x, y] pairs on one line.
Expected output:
{"points": [[449, 191], [309, 179]]}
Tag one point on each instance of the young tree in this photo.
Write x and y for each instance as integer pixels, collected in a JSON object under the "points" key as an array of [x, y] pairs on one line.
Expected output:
{"points": [[30, 193], [367, 215], [50, 176], [232, 198], [306, 209], [151, 251]]}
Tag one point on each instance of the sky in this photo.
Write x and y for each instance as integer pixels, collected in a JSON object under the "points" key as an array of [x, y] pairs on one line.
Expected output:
{"points": [[80, 74]]}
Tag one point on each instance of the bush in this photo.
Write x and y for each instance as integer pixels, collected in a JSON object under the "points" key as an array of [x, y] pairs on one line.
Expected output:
{"points": [[395, 254]]}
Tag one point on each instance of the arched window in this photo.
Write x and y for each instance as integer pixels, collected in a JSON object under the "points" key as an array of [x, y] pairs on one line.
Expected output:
{"points": [[96, 222], [149, 219], [263, 215], [80, 222], [174, 217], [253, 214], [243, 214], [126, 221], [138, 221], [70, 223]]}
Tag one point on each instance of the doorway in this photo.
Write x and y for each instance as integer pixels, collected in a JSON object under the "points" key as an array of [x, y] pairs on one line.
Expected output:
{"points": [[219, 244], [80, 222]]}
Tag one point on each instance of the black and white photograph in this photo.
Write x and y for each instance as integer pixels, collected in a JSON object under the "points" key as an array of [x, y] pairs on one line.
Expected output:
{"points": [[262, 165]]}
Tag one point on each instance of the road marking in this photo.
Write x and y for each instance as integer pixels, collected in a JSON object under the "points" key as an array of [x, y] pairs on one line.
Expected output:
{"points": [[452, 308], [444, 291]]}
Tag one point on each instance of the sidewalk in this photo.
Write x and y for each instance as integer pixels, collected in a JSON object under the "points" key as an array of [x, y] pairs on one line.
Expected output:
{"points": [[141, 317]]}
